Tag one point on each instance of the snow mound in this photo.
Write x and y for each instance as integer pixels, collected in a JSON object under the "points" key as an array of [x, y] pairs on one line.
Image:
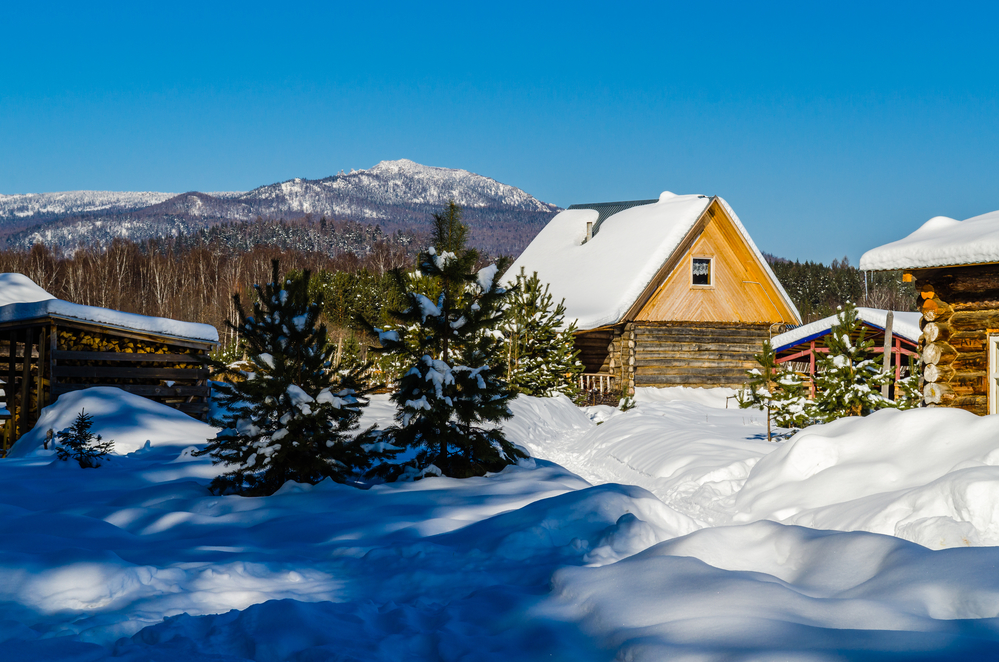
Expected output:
{"points": [[939, 242], [18, 288], [767, 591], [927, 475], [133, 422], [718, 397]]}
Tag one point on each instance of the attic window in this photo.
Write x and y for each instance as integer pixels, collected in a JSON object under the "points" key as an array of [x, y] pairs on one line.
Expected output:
{"points": [[700, 271]]}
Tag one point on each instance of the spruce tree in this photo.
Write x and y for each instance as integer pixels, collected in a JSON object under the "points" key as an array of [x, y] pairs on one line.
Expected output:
{"points": [[77, 442], [290, 418], [849, 377], [451, 397], [777, 390], [541, 356]]}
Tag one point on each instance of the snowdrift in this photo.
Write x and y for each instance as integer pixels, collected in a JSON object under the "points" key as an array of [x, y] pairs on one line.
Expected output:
{"points": [[130, 420], [670, 531], [927, 475]]}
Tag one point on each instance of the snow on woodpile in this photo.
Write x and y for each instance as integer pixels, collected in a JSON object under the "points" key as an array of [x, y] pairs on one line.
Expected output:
{"points": [[18, 288], [905, 325], [22, 300], [940, 242]]}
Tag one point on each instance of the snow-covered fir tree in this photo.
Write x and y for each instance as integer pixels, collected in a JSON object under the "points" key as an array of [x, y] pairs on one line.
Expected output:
{"points": [[77, 442], [541, 357], [291, 416], [452, 397], [777, 390], [849, 377]]}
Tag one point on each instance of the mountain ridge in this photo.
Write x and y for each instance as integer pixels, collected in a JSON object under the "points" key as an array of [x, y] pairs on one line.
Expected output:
{"points": [[395, 195]]}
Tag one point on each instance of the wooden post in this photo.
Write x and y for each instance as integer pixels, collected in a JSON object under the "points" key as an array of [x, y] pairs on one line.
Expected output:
{"points": [[10, 431], [40, 384], [53, 346], [811, 367], [887, 350], [25, 384]]}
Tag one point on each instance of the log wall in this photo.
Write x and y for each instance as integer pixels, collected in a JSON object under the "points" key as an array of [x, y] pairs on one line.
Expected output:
{"points": [[960, 307], [698, 354]]}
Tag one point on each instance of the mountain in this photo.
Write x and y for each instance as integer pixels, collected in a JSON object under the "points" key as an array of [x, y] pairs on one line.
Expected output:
{"points": [[394, 195]]}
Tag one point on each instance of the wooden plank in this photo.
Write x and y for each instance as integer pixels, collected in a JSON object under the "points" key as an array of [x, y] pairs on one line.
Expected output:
{"points": [[110, 372], [739, 375], [686, 380], [696, 363], [145, 390], [737, 348], [696, 356], [133, 357]]}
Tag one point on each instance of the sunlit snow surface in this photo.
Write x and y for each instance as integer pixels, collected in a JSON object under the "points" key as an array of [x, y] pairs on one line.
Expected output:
{"points": [[684, 545]]}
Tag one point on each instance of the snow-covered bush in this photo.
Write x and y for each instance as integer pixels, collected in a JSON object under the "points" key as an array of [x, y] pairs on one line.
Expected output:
{"points": [[849, 378], [78, 443], [451, 396], [290, 416], [777, 390], [541, 355]]}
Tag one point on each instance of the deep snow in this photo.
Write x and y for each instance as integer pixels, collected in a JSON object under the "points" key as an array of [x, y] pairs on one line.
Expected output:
{"points": [[670, 531]]}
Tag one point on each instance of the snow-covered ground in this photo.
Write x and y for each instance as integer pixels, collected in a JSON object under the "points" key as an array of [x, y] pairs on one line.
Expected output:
{"points": [[671, 531]]}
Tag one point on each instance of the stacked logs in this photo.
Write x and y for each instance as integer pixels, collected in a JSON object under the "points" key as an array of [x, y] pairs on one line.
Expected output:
{"points": [[955, 350]]}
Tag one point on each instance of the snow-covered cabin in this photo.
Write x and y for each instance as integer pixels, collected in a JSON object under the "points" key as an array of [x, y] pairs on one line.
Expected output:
{"points": [[664, 292], [49, 347], [800, 347], [955, 266]]}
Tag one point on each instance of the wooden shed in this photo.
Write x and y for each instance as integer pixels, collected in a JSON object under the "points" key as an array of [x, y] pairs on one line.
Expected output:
{"points": [[49, 347], [801, 347], [955, 266], [665, 292]]}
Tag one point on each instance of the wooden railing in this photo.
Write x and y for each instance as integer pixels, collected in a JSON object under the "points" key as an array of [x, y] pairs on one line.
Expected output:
{"points": [[594, 381]]}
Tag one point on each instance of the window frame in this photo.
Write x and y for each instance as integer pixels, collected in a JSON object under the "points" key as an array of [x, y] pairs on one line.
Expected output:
{"points": [[711, 272]]}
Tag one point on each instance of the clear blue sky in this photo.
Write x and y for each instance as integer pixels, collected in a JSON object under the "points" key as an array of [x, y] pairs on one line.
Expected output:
{"points": [[830, 127]]}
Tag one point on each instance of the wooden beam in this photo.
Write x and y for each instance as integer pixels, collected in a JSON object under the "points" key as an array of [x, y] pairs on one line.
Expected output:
{"points": [[110, 372], [132, 357]]}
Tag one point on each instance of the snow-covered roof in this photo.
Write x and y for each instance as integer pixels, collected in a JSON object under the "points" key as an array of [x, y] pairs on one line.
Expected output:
{"points": [[602, 278], [21, 299], [905, 325], [18, 288], [940, 242]]}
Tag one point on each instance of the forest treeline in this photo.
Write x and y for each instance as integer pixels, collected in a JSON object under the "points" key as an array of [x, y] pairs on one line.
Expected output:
{"points": [[193, 277], [817, 289]]}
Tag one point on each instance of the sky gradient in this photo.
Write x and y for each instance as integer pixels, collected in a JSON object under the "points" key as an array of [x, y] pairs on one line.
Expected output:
{"points": [[830, 128]]}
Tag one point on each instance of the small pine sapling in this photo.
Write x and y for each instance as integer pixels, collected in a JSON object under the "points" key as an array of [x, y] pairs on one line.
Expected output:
{"points": [[777, 390], [289, 417], [849, 378], [77, 442], [542, 359], [451, 396]]}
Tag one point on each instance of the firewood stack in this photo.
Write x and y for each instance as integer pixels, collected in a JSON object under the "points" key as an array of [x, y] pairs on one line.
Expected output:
{"points": [[956, 325]]}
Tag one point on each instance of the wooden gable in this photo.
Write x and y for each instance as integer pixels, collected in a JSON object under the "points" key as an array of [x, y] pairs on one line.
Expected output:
{"points": [[740, 291]]}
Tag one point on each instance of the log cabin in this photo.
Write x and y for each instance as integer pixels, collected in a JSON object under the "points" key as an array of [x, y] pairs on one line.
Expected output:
{"points": [[664, 292], [49, 347], [955, 266], [800, 348]]}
